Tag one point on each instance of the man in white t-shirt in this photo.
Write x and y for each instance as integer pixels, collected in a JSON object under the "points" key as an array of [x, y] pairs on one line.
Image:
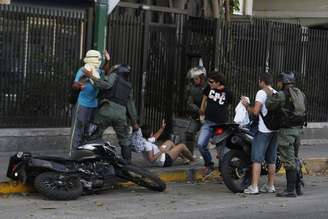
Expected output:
{"points": [[264, 145]]}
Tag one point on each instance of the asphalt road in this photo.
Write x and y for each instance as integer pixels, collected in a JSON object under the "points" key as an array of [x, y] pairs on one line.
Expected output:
{"points": [[208, 200]]}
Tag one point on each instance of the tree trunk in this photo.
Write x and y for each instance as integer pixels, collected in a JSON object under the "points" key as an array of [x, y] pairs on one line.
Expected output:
{"points": [[227, 10], [215, 8], [207, 9], [180, 4], [221, 2], [194, 7]]}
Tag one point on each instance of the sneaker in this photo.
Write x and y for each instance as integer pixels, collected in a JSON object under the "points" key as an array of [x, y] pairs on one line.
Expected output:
{"points": [[267, 189], [208, 171], [252, 190]]}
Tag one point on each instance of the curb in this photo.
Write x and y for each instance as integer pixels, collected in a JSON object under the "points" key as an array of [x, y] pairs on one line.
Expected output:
{"points": [[311, 166]]}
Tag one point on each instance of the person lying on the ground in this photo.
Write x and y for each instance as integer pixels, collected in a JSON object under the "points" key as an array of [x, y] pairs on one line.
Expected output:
{"points": [[166, 153]]}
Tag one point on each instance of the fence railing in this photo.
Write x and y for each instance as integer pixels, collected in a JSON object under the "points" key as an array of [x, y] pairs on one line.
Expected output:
{"points": [[151, 42], [242, 50], [41, 48]]}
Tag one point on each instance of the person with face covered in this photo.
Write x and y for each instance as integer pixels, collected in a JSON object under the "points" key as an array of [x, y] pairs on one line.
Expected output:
{"points": [[116, 106], [87, 101]]}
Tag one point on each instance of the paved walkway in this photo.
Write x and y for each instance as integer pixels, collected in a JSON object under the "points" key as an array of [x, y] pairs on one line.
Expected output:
{"points": [[306, 152]]}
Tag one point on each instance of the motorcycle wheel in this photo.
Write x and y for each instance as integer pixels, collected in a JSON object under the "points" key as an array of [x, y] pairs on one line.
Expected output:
{"points": [[235, 171], [143, 178], [57, 186]]}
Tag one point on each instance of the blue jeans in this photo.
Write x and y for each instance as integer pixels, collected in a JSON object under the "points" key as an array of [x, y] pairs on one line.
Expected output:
{"points": [[204, 136], [264, 147]]}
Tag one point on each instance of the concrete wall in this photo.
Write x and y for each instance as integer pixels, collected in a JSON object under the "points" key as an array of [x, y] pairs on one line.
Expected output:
{"points": [[54, 140], [310, 13], [40, 140]]}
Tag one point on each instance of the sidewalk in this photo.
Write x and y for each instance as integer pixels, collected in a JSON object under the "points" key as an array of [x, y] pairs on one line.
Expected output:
{"points": [[315, 158]]}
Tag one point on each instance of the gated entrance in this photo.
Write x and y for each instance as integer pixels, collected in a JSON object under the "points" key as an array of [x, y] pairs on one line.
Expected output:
{"points": [[40, 49], [150, 41]]}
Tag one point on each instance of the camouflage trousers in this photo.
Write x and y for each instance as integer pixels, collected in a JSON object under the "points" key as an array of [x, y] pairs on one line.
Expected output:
{"points": [[288, 147], [113, 115]]}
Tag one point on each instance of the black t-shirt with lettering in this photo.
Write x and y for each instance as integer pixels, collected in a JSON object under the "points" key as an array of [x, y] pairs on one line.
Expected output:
{"points": [[217, 104]]}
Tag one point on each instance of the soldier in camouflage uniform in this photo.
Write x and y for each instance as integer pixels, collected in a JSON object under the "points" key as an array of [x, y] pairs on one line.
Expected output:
{"points": [[288, 138], [194, 94], [116, 106]]}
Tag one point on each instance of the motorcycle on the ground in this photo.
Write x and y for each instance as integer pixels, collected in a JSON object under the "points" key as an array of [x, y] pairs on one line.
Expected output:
{"points": [[95, 167], [236, 162]]}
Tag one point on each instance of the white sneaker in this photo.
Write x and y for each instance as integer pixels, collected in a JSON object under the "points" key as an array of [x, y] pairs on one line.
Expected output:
{"points": [[267, 189], [252, 190]]}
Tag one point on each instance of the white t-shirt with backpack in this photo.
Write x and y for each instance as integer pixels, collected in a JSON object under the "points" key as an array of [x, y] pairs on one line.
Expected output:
{"points": [[261, 97]]}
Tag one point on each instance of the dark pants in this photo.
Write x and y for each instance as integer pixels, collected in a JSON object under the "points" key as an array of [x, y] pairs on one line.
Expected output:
{"points": [[81, 124], [191, 134]]}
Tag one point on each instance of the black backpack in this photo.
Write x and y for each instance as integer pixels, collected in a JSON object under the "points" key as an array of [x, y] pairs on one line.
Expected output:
{"points": [[73, 94], [291, 115], [272, 119]]}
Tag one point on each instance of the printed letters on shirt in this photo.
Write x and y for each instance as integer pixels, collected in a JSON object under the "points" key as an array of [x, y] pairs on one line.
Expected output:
{"points": [[217, 97]]}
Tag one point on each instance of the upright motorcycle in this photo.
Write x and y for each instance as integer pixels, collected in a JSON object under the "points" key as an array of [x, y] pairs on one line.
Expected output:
{"points": [[235, 164], [95, 167]]}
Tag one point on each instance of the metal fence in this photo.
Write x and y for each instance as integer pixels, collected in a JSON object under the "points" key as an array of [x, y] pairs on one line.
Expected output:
{"points": [[151, 42], [243, 49], [40, 48]]}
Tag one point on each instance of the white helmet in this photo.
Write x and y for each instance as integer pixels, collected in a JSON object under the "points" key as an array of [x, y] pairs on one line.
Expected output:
{"points": [[196, 72]]}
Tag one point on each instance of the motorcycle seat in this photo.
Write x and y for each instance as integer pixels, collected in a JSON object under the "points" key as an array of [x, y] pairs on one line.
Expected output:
{"points": [[80, 155], [247, 131]]}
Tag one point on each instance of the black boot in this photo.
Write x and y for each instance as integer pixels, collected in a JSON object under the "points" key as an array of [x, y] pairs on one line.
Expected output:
{"points": [[299, 179], [126, 153], [298, 186], [291, 181]]}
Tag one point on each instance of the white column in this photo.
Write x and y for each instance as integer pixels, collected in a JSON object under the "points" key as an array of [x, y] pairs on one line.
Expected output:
{"points": [[248, 7]]}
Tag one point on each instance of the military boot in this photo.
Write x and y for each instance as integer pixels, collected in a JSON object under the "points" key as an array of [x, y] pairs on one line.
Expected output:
{"points": [[291, 181], [299, 183], [126, 153], [298, 187], [299, 179]]}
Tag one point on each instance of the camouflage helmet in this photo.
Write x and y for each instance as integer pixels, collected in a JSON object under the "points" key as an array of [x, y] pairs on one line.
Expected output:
{"points": [[121, 69], [287, 77]]}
